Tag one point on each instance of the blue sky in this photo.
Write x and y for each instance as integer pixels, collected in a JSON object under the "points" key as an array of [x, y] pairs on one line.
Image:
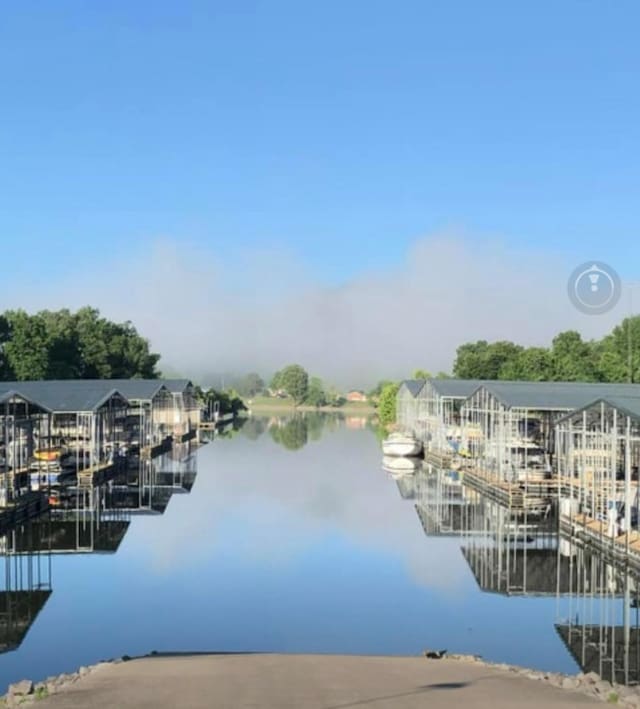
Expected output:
{"points": [[337, 134]]}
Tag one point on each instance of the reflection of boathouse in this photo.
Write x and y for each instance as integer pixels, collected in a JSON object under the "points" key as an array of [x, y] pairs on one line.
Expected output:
{"points": [[26, 585], [515, 554], [444, 505], [598, 620]]}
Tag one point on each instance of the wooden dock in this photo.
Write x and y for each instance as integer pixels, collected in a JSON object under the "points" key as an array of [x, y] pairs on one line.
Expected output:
{"points": [[622, 550], [440, 459], [533, 497]]}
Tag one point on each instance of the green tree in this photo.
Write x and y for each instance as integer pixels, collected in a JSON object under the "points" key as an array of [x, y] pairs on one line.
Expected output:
{"points": [[387, 404], [421, 374], [470, 362], [377, 390], [619, 352], [276, 381], [573, 359], [6, 371], [316, 395], [481, 360], [26, 350], [251, 384], [534, 364], [295, 381]]}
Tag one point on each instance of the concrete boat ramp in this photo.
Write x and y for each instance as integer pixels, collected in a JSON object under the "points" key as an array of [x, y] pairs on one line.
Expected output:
{"points": [[269, 681]]}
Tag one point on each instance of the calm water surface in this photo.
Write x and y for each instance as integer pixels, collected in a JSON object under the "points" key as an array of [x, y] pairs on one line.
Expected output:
{"points": [[280, 545]]}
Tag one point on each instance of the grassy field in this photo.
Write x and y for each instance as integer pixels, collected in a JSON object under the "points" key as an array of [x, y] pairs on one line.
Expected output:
{"points": [[267, 403]]}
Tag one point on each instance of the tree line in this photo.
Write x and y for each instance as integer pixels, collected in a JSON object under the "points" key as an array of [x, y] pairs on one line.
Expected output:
{"points": [[613, 358], [65, 345], [294, 382]]}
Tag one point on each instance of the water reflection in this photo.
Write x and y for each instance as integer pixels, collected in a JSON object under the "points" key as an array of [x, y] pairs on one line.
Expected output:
{"points": [[26, 582], [84, 519], [514, 553], [295, 430], [295, 540]]}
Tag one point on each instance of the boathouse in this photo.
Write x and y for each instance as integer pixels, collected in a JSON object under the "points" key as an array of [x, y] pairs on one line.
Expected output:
{"points": [[184, 417], [598, 458], [151, 406], [508, 427], [22, 424], [87, 417], [407, 405], [439, 403]]}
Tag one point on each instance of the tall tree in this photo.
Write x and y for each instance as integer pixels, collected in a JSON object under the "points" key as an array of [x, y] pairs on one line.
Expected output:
{"points": [[619, 352], [295, 381], [26, 349], [316, 395], [64, 345], [387, 404], [251, 384], [573, 359], [421, 374]]}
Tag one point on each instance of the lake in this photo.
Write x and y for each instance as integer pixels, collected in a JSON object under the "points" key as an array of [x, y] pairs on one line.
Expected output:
{"points": [[287, 536]]}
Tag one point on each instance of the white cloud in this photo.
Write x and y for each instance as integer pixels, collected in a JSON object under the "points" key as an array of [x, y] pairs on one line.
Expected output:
{"points": [[262, 309]]}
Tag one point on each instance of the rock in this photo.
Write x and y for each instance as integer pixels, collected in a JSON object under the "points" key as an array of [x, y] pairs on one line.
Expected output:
{"points": [[100, 666], [569, 683], [21, 688], [603, 687], [83, 671], [592, 678]]}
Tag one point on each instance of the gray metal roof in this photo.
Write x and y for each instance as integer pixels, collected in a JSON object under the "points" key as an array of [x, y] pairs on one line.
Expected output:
{"points": [[413, 385], [177, 386], [138, 389], [7, 392], [555, 396], [456, 388], [67, 395], [627, 405]]}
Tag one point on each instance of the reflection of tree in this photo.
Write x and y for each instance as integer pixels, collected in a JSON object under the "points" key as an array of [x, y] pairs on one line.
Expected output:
{"points": [[292, 434], [315, 424], [253, 428]]}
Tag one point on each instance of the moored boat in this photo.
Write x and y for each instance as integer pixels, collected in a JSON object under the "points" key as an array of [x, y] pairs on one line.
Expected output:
{"points": [[401, 444]]}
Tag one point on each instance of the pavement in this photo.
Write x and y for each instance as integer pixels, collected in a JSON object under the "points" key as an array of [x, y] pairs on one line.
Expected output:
{"points": [[265, 681]]}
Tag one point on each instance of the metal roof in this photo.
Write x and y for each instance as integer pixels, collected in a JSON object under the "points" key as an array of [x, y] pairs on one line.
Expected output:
{"points": [[7, 393], [67, 395], [177, 386], [413, 385], [627, 405], [138, 389], [456, 388], [555, 396]]}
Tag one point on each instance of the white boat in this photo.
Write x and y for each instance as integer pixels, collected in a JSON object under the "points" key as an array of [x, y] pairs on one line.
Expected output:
{"points": [[401, 444]]}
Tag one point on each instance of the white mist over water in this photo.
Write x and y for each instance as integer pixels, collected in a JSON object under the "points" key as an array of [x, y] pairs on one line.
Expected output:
{"points": [[261, 309]]}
